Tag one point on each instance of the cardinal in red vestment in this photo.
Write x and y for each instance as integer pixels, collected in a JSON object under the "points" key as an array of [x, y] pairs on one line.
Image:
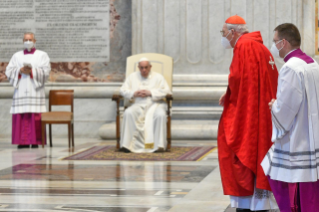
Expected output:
{"points": [[245, 127]]}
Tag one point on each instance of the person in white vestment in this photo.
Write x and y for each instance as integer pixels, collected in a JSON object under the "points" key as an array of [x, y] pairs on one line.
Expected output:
{"points": [[292, 162], [144, 122], [28, 71]]}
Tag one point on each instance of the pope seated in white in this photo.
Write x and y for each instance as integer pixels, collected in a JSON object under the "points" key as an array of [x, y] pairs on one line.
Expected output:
{"points": [[144, 122]]}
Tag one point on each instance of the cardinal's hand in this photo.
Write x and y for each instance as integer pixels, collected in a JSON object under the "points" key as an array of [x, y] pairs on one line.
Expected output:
{"points": [[222, 99]]}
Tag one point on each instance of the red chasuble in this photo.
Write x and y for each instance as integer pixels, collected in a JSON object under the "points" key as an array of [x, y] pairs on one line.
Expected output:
{"points": [[245, 128]]}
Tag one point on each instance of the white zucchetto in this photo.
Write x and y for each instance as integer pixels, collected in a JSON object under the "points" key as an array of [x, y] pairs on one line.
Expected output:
{"points": [[143, 59]]}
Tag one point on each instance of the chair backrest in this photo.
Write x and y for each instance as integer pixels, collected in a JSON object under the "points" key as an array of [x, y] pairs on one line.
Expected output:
{"points": [[61, 97], [161, 63]]}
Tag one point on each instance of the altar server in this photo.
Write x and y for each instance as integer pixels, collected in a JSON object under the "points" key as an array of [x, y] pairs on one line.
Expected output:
{"points": [[144, 122], [28, 71], [244, 134], [292, 162]]}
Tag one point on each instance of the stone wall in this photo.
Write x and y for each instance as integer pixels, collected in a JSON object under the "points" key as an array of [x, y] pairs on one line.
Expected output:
{"points": [[188, 31]]}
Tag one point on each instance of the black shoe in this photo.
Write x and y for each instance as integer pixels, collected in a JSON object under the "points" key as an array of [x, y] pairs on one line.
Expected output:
{"points": [[242, 210], [23, 146], [34, 146], [126, 150]]}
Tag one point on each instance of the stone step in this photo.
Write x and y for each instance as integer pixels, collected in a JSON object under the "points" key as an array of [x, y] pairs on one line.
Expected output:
{"points": [[181, 130], [197, 113]]}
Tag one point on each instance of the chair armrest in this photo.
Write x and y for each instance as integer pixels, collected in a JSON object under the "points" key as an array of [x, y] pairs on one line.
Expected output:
{"points": [[169, 97], [116, 97]]}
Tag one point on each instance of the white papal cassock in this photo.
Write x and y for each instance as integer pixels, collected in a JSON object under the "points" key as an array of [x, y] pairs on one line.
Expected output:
{"points": [[29, 93], [144, 122]]}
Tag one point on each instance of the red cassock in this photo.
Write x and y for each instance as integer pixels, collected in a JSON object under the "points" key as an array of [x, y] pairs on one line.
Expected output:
{"points": [[244, 134]]}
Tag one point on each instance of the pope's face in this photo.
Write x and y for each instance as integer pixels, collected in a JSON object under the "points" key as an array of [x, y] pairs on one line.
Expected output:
{"points": [[145, 68], [28, 37]]}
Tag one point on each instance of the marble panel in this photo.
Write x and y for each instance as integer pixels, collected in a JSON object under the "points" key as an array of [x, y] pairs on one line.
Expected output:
{"points": [[299, 18], [283, 11], [294, 11], [150, 29], [36, 191], [308, 27], [194, 31], [172, 29], [5, 105], [77, 207], [114, 173], [216, 50], [250, 15], [238, 7], [272, 21], [6, 127], [262, 8]]}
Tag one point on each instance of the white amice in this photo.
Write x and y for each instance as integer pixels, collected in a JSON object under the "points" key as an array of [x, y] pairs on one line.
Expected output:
{"points": [[144, 122]]}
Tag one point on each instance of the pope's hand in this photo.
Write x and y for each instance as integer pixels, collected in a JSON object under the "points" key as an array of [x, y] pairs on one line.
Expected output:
{"points": [[146, 93], [142, 93], [222, 99], [137, 94], [271, 103]]}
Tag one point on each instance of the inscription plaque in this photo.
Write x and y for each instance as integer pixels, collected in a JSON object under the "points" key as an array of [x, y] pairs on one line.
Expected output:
{"points": [[68, 30]]}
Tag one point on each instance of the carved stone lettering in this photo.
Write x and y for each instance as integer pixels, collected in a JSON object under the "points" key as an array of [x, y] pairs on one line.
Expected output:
{"points": [[68, 30]]}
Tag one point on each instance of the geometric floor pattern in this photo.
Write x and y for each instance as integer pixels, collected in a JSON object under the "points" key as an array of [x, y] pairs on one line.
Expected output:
{"points": [[176, 153], [39, 180], [119, 172]]}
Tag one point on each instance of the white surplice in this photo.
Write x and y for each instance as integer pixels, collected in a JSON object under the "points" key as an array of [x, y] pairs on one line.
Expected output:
{"points": [[294, 156], [144, 122], [29, 93], [260, 200]]}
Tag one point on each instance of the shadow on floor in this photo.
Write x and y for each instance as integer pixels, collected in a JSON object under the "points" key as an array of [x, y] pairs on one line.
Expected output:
{"points": [[229, 209]]}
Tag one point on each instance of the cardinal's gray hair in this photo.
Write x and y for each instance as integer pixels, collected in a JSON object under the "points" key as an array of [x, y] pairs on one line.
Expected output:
{"points": [[240, 28]]}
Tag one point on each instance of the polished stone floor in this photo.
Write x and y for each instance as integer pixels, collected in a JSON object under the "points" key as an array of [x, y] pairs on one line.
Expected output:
{"points": [[38, 180]]}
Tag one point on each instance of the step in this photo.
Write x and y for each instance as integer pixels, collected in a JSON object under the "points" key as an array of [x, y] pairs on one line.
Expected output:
{"points": [[181, 130]]}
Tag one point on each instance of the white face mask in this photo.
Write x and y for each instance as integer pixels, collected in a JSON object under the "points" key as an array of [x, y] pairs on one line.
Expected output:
{"points": [[226, 42], [28, 45], [274, 51]]}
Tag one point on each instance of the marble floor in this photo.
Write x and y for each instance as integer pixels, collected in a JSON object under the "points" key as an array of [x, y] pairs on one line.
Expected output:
{"points": [[38, 180]]}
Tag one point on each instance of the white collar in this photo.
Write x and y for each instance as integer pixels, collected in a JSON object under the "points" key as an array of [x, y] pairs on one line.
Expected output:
{"points": [[289, 53]]}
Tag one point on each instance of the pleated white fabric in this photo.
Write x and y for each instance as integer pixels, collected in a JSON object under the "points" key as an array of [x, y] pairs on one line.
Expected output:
{"points": [[260, 200]]}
